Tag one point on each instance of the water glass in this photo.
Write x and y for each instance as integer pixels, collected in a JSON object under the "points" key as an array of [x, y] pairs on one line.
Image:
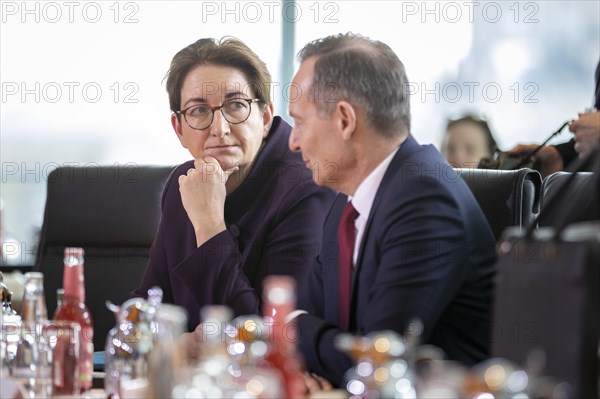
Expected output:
{"points": [[63, 339]]}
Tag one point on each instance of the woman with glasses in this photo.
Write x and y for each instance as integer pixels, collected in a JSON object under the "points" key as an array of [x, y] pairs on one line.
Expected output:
{"points": [[245, 207], [468, 140]]}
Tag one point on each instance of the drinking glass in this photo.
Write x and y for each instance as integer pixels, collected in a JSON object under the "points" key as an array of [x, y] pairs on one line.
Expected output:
{"points": [[31, 363], [63, 340]]}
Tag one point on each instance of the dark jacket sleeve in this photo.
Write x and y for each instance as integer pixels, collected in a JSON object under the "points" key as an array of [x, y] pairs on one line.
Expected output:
{"points": [[214, 273], [295, 240], [567, 152]]}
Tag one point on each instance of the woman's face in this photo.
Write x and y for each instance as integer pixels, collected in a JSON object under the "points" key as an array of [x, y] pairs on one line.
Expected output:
{"points": [[465, 144], [231, 144]]}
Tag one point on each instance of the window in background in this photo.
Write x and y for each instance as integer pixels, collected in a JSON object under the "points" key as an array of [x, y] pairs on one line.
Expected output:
{"points": [[527, 66], [82, 81], [82, 85]]}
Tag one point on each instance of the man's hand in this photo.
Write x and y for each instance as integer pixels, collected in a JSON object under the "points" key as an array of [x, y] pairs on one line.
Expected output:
{"points": [[587, 132], [550, 160], [203, 196], [314, 383], [189, 341]]}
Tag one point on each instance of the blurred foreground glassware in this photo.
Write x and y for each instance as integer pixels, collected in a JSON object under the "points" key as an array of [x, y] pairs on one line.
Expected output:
{"points": [[253, 374], [436, 377], [6, 298], [63, 338], [167, 359], [10, 334], [4, 364], [382, 370], [211, 376], [232, 361], [500, 378], [279, 300], [31, 365], [128, 345]]}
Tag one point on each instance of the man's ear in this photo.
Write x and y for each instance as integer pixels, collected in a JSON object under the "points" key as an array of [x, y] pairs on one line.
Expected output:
{"points": [[346, 115]]}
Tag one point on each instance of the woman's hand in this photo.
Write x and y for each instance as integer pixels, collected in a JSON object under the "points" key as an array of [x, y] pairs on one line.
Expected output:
{"points": [[203, 195]]}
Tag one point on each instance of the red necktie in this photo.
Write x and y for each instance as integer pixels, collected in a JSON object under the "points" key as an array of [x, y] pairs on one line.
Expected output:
{"points": [[346, 237]]}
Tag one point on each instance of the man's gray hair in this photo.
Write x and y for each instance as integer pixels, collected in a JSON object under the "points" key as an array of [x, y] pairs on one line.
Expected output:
{"points": [[364, 72]]}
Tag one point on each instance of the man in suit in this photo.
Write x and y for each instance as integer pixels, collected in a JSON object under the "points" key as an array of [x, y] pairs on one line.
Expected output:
{"points": [[405, 238]]}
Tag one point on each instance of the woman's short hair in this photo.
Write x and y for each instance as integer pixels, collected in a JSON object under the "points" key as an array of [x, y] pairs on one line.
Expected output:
{"points": [[229, 52]]}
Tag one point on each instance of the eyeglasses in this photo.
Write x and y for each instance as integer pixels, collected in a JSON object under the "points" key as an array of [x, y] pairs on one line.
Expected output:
{"points": [[201, 116]]}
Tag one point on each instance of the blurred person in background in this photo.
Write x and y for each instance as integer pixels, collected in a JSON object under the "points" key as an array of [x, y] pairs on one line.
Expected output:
{"points": [[467, 140], [245, 207], [586, 132]]}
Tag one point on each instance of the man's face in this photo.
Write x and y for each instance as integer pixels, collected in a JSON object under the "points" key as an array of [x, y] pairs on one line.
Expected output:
{"points": [[313, 134], [231, 144]]}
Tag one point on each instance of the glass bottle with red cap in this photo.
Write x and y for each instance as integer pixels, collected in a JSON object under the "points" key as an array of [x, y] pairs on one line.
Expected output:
{"points": [[73, 308], [279, 296]]}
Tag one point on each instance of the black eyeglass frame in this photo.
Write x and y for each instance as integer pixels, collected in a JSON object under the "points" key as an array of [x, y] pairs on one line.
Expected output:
{"points": [[218, 108]]}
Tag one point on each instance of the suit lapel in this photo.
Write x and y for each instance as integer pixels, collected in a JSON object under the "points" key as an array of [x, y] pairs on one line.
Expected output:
{"points": [[329, 254], [409, 147]]}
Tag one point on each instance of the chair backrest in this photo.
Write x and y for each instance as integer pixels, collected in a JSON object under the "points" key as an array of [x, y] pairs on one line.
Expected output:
{"points": [[547, 299], [579, 203], [506, 197], [113, 213]]}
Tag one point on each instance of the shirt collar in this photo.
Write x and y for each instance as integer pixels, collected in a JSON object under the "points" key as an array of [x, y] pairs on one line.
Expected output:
{"points": [[366, 191]]}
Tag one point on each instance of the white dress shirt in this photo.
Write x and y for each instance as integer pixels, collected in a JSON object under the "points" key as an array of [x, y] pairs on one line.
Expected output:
{"points": [[362, 202], [364, 197]]}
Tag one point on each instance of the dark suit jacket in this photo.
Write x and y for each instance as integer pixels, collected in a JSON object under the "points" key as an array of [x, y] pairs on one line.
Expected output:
{"points": [[274, 220], [427, 252]]}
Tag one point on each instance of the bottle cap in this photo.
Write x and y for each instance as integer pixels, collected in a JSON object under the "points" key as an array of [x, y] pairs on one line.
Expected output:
{"points": [[279, 289], [34, 276], [74, 252], [73, 279], [216, 313]]}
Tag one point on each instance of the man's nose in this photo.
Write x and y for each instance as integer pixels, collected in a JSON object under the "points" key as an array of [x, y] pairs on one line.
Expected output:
{"points": [[294, 142]]}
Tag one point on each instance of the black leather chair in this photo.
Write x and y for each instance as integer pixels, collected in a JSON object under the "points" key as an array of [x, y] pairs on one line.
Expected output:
{"points": [[113, 213], [506, 197], [579, 202], [547, 297]]}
